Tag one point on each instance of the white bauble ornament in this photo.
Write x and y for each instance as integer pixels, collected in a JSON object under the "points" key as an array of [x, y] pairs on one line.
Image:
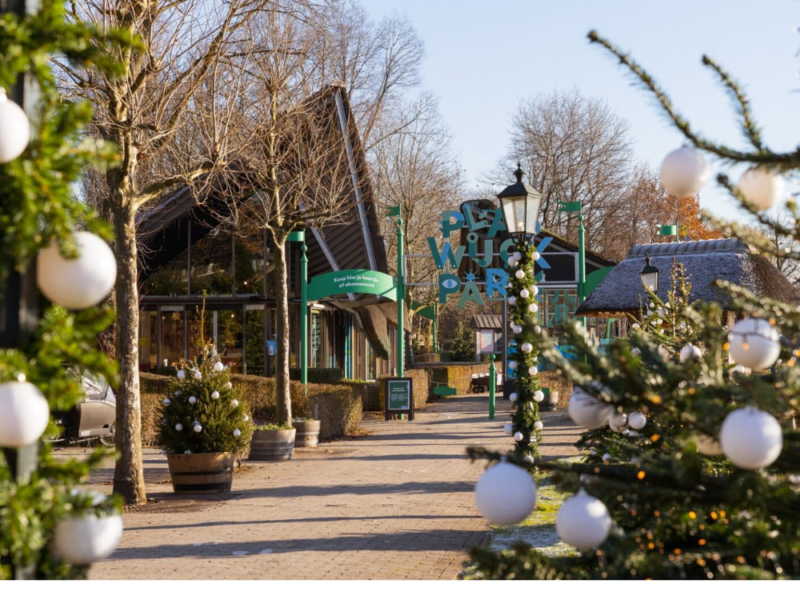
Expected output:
{"points": [[179, 427], [198, 375], [512, 262], [683, 172], [235, 403], [215, 395], [761, 187], [513, 397], [516, 329], [176, 393], [236, 433], [167, 401], [538, 425], [690, 352], [618, 421], [508, 429], [81, 282], [754, 343], [708, 445], [533, 308], [637, 420], [192, 399], [607, 457], [24, 414], [188, 452], [517, 256], [181, 374], [537, 329], [538, 395], [197, 428], [15, 130], [533, 370], [246, 418], [218, 366], [536, 256], [586, 410], [505, 494], [528, 459], [518, 436], [635, 351], [751, 438], [583, 522], [635, 326], [88, 539], [520, 274], [229, 385], [527, 347], [512, 300], [535, 290], [524, 293], [663, 352], [512, 364]]}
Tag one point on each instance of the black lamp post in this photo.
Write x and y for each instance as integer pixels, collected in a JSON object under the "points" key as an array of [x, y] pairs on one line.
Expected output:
{"points": [[650, 276], [520, 203]]}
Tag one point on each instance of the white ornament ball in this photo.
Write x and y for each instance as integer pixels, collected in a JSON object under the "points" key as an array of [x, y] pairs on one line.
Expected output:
{"points": [[635, 326], [179, 427], [536, 256], [167, 401], [512, 300], [635, 351], [24, 414], [181, 374], [508, 429], [607, 457], [754, 343], [527, 347], [246, 418], [524, 293], [513, 397], [535, 290], [583, 521], [683, 172], [520, 274], [198, 375], [751, 438], [235, 403], [538, 425], [537, 329], [538, 395], [177, 393], [236, 433], [618, 421], [517, 255], [15, 128], [528, 459], [512, 262], [218, 366], [192, 399], [708, 446], [637, 420], [80, 282], [197, 428], [229, 385], [690, 352], [586, 410], [516, 329], [512, 364], [533, 371], [761, 187], [188, 452], [215, 395], [518, 436], [533, 308], [505, 494], [87, 539]]}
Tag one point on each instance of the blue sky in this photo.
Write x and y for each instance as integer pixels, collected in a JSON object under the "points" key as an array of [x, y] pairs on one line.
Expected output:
{"points": [[482, 57]]}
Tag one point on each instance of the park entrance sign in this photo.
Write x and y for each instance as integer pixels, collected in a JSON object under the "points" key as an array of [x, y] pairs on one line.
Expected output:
{"points": [[353, 281]]}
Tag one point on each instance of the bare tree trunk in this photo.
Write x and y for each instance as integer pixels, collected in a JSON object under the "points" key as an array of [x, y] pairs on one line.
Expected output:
{"points": [[129, 471], [283, 394]]}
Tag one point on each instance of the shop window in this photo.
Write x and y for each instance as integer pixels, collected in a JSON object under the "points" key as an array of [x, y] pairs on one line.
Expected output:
{"points": [[212, 264], [315, 358], [229, 339], [250, 263], [172, 331], [171, 279], [199, 331], [255, 345], [148, 340]]}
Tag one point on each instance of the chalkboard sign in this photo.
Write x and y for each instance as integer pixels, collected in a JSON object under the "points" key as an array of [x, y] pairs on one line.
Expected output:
{"points": [[399, 397]]}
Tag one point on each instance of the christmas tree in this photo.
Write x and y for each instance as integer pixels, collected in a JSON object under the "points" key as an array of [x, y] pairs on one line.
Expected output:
{"points": [[704, 481]]}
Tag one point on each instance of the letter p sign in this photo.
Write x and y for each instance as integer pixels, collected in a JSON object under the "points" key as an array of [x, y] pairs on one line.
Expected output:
{"points": [[448, 284]]}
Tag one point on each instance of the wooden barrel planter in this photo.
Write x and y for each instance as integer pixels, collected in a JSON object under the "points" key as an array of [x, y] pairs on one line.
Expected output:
{"points": [[307, 434], [201, 473], [275, 444]]}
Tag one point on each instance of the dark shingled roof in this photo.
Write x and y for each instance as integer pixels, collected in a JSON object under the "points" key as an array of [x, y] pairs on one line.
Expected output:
{"points": [[486, 322], [704, 262]]}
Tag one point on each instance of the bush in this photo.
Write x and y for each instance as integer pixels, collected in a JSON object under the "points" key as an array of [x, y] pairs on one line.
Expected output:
{"points": [[458, 376], [317, 375], [463, 347], [421, 387]]}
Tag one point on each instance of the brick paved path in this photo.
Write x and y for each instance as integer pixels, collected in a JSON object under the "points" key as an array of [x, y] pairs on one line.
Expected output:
{"points": [[396, 504]]}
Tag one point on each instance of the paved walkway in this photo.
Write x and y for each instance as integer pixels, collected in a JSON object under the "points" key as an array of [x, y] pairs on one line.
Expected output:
{"points": [[395, 504]]}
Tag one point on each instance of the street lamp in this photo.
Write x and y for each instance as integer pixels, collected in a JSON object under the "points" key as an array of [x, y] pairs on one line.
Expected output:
{"points": [[650, 276], [520, 203]]}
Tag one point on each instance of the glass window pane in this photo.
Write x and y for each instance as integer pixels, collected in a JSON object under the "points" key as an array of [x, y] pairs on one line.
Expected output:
{"points": [[200, 332], [170, 279], [172, 324], [250, 263], [229, 338], [148, 340], [315, 350], [255, 342], [212, 264]]}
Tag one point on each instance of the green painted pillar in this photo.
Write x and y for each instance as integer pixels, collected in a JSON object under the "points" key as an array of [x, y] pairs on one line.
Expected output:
{"points": [[304, 313], [581, 264], [435, 325], [401, 296], [492, 385]]}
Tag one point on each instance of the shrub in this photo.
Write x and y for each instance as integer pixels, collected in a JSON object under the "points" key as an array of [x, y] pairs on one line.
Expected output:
{"points": [[273, 427], [318, 375], [463, 347], [338, 407], [421, 387]]}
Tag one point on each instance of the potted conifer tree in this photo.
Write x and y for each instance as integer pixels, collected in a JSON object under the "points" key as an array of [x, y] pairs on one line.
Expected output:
{"points": [[203, 427]]}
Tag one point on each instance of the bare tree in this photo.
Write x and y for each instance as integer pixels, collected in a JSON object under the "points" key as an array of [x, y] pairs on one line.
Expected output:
{"points": [[145, 113]]}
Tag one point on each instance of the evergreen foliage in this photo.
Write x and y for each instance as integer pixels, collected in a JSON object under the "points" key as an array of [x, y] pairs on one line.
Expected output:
{"points": [[463, 346]]}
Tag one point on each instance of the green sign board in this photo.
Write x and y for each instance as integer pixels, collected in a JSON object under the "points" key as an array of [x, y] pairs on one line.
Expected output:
{"points": [[399, 397], [353, 281]]}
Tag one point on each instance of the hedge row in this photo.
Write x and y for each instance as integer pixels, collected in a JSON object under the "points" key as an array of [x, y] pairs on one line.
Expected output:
{"points": [[421, 387], [455, 375], [338, 407], [318, 375]]}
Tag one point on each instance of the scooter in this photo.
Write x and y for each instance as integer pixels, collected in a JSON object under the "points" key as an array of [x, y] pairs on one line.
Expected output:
{"points": [[93, 418]]}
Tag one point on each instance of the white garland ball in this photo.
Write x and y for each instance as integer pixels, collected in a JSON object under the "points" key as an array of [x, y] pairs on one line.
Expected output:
{"points": [[505, 494], [538, 395], [607, 457], [537, 329], [618, 421], [586, 410], [512, 262], [80, 282], [533, 308], [751, 438], [176, 393], [512, 300], [761, 187], [536, 256], [637, 420], [635, 326], [197, 428], [535, 290], [635, 351], [520, 274], [516, 329], [690, 352], [198, 375], [508, 429], [24, 414], [218, 366], [181, 374], [513, 397], [167, 401], [192, 399], [246, 418], [87, 539], [15, 127], [236, 433], [528, 459], [538, 425], [533, 370], [179, 427], [235, 403], [524, 293], [583, 521], [215, 395], [754, 343], [527, 347], [708, 446], [512, 364], [683, 172], [518, 436], [517, 256], [229, 385]]}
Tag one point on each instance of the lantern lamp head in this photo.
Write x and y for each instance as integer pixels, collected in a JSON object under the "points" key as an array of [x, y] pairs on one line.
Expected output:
{"points": [[520, 203], [650, 276]]}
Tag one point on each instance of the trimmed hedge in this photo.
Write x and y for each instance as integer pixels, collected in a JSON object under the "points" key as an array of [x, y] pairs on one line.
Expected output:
{"points": [[421, 388], [455, 375], [318, 375], [427, 358], [338, 407], [367, 391]]}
